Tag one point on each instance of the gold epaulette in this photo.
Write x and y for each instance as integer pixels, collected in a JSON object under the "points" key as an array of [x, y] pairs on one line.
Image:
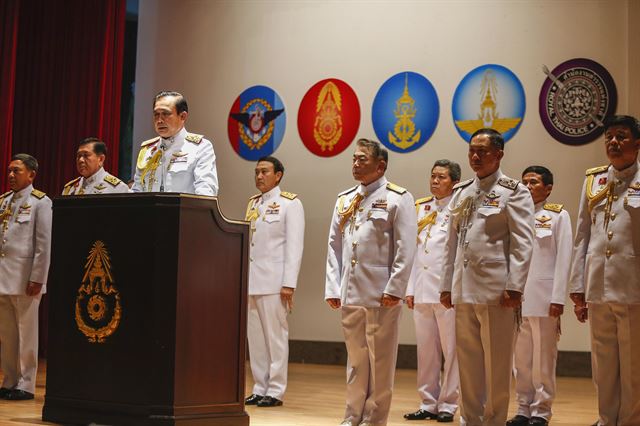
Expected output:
{"points": [[288, 195], [424, 200], [596, 170], [463, 184], [72, 182], [6, 194], [348, 191], [194, 138], [38, 194], [253, 197], [150, 141], [395, 188], [114, 181], [552, 207], [508, 182]]}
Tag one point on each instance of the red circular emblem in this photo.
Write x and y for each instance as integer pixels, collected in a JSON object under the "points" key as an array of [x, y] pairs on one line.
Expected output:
{"points": [[328, 117]]}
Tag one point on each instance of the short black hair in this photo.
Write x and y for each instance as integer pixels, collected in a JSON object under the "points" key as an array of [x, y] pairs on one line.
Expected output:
{"points": [[376, 149], [495, 137], [454, 168], [99, 147], [277, 164], [181, 102], [547, 176], [29, 161], [626, 121]]}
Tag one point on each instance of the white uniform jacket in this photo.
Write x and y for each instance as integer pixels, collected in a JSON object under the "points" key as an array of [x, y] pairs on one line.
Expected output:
{"points": [[606, 251], [25, 245], [372, 253], [433, 221], [549, 270], [184, 163], [490, 240], [277, 223], [100, 182]]}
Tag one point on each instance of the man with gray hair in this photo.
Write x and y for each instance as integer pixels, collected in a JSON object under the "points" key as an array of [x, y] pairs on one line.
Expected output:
{"points": [[435, 324], [371, 249]]}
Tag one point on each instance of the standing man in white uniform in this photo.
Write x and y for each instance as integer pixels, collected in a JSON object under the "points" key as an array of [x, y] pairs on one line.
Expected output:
{"points": [[371, 249], [536, 350], [93, 179], [176, 160], [25, 246], [435, 324], [486, 261], [605, 273], [277, 240]]}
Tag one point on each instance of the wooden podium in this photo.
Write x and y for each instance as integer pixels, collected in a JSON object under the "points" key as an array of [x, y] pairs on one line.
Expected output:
{"points": [[147, 316]]}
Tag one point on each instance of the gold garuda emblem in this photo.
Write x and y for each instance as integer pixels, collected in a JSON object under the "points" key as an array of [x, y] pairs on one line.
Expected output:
{"points": [[327, 129], [98, 310], [488, 116], [404, 132]]}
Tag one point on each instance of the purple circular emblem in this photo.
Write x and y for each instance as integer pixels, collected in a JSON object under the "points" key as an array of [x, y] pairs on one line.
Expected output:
{"points": [[576, 98]]}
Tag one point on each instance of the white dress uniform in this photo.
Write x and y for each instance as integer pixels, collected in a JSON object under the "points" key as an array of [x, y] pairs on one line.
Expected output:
{"points": [[536, 350], [183, 163], [371, 250], [606, 266], [25, 246], [277, 221], [488, 250], [100, 182], [435, 324]]}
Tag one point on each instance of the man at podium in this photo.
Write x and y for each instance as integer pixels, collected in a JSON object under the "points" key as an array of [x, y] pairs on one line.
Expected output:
{"points": [[175, 160]]}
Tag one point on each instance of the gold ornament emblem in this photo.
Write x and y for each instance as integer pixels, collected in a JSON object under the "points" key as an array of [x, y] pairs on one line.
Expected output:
{"points": [[327, 129], [404, 132], [98, 310]]}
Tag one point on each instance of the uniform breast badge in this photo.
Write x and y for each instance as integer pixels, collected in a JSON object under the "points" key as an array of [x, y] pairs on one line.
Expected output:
{"points": [[98, 311]]}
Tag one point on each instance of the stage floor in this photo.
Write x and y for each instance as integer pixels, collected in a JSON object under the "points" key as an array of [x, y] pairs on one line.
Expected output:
{"points": [[316, 398]]}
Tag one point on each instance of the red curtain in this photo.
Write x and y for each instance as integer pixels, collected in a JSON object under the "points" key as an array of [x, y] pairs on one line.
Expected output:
{"points": [[8, 40], [67, 84]]}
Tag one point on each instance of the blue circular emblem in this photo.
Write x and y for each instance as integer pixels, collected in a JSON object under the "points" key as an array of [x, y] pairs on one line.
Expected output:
{"points": [[490, 96], [405, 112], [256, 123]]}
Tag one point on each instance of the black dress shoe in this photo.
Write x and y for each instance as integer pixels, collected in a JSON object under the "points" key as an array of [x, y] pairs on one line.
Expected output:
{"points": [[444, 417], [253, 399], [421, 415], [269, 401], [538, 421], [518, 420], [4, 392], [18, 395]]}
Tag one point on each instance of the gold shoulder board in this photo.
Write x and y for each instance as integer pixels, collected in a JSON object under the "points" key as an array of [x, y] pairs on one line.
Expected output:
{"points": [[552, 207], [71, 182], [150, 141], [424, 200], [348, 191], [193, 138], [114, 181], [253, 197], [395, 188], [6, 194], [508, 183], [596, 170], [288, 195], [463, 184], [38, 194]]}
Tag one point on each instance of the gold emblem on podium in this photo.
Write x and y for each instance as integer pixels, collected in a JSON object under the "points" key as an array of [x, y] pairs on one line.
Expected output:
{"points": [[327, 129], [98, 310], [404, 132]]}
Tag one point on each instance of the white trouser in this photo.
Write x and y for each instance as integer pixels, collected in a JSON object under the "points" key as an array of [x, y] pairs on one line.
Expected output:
{"points": [[19, 341], [268, 335], [535, 360], [485, 336], [371, 338], [435, 335], [615, 347]]}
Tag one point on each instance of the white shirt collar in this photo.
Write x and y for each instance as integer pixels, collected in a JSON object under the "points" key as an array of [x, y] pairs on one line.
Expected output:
{"points": [[368, 189], [272, 193]]}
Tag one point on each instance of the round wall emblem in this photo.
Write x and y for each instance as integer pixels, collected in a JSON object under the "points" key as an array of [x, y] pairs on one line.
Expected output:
{"points": [[405, 112], [490, 96], [256, 123], [576, 98], [328, 117]]}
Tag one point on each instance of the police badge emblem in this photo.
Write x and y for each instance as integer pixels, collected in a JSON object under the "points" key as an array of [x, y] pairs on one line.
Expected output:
{"points": [[575, 100]]}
